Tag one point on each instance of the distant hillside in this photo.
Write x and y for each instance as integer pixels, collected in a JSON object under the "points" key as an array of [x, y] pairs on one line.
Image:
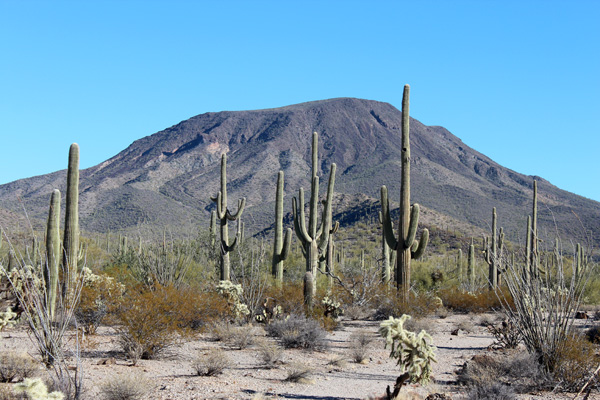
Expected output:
{"points": [[165, 179]]}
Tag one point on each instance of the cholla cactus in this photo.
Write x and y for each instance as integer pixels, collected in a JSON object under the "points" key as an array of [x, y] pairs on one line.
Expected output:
{"points": [[332, 308], [414, 352], [35, 389], [233, 293], [7, 318]]}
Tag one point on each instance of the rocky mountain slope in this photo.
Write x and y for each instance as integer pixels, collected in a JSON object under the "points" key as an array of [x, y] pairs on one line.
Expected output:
{"points": [[165, 180]]}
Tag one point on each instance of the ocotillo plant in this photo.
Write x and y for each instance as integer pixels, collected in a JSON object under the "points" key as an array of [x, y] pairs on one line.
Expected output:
{"points": [[224, 215], [405, 246], [71, 233], [281, 244], [315, 239], [51, 269], [493, 252]]}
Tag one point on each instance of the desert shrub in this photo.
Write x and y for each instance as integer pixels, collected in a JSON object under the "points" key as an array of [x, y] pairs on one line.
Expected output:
{"points": [[289, 297], [16, 367], [360, 344], [419, 305], [338, 362], [127, 387], [420, 324], [221, 331], [211, 364], [298, 332], [151, 321], [100, 295], [576, 360], [299, 373], [494, 391], [476, 302], [354, 312], [516, 370], [506, 334], [242, 337], [270, 354], [593, 334]]}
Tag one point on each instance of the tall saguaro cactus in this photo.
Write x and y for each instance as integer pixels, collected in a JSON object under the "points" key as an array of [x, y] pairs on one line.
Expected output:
{"points": [[71, 233], [406, 247], [471, 267], [493, 252], [281, 243], [52, 252], [315, 239], [224, 215]]}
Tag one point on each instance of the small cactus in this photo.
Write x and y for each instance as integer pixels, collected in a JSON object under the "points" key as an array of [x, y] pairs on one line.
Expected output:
{"points": [[413, 352]]}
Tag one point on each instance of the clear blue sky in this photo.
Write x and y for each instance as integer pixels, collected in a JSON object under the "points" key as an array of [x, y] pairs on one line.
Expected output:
{"points": [[517, 80]]}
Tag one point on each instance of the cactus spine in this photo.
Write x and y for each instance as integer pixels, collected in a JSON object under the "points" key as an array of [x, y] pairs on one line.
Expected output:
{"points": [[314, 240], [281, 243], [52, 252], [71, 233], [405, 246], [224, 215]]}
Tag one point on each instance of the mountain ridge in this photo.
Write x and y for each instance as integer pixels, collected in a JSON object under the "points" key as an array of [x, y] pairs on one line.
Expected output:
{"points": [[165, 179]]}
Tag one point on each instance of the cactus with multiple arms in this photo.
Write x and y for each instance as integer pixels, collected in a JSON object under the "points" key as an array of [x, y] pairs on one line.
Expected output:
{"points": [[224, 215], [315, 239], [406, 246], [281, 243]]}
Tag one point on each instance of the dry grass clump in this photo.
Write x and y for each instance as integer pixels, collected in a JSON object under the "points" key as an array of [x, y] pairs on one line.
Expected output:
{"points": [[476, 302], [298, 332], [299, 373], [492, 375], [128, 387], [466, 326], [360, 345], [338, 362], [211, 364], [15, 367], [418, 306], [577, 360], [270, 353], [420, 324]]}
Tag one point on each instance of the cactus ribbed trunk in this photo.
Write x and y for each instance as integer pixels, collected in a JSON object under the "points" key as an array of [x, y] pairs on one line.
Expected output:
{"points": [[281, 243], [471, 267], [52, 252], [224, 215], [71, 232], [404, 256], [315, 240]]}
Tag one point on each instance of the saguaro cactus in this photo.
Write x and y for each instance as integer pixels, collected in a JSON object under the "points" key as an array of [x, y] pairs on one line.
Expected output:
{"points": [[224, 215], [405, 246], [71, 233], [281, 243], [386, 269], [52, 252], [315, 239], [493, 252], [471, 267]]}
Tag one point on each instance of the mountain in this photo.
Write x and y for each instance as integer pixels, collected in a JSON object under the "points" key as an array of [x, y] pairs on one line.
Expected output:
{"points": [[165, 180]]}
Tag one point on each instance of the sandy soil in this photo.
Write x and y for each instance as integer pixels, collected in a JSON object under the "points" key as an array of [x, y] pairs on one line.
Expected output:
{"points": [[173, 376]]}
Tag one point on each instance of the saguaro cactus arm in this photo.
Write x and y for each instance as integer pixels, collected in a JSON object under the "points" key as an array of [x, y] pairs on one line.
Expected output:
{"points": [[417, 252], [386, 220]]}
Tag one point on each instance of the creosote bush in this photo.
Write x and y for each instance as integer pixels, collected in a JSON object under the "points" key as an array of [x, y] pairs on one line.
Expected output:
{"points": [[151, 321]]}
